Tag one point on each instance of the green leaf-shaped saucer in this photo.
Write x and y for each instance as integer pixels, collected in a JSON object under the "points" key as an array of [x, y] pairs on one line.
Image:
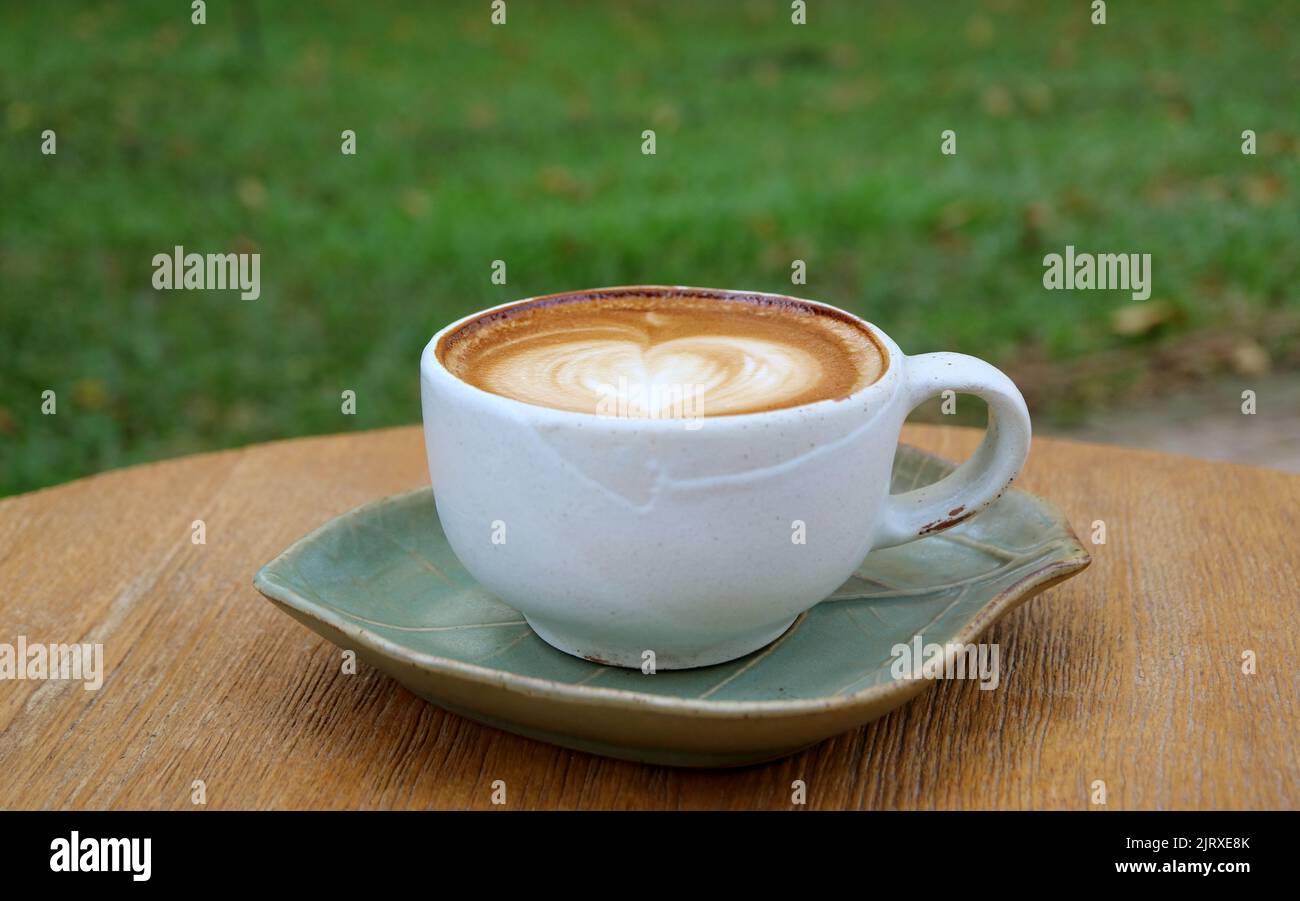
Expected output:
{"points": [[381, 580]]}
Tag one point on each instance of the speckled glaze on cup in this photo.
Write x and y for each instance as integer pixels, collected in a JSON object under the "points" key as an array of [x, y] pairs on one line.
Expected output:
{"points": [[616, 536]]}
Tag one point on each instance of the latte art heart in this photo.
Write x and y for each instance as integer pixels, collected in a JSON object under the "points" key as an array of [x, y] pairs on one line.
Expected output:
{"points": [[646, 357], [726, 373]]}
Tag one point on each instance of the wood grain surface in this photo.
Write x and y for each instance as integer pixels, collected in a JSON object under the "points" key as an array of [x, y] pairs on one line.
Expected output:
{"points": [[1130, 673]]}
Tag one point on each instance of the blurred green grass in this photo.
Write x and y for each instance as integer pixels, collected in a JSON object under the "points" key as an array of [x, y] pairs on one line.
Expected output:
{"points": [[775, 142]]}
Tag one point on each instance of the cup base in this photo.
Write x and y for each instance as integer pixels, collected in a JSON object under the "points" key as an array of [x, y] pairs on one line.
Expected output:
{"points": [[601, 652]]}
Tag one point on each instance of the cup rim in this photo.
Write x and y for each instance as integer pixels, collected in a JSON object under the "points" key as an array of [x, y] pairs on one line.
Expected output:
{"points": [[433, 369]]}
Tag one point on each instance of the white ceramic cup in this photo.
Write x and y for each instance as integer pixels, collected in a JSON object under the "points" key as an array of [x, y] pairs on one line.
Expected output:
{"points": [[615, 537]]}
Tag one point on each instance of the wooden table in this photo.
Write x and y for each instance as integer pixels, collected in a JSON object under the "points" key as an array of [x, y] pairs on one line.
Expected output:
{"points": [[1130, 673]]}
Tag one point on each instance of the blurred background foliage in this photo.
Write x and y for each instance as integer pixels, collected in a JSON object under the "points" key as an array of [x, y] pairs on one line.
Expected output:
{"points": [[522, 143]]}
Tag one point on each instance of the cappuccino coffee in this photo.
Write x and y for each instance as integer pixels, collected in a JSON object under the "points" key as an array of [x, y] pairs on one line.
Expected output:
{"points": [[723, 353]]}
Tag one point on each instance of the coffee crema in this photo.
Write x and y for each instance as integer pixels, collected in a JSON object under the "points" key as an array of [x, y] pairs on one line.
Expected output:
{"points": [[664, 353]]}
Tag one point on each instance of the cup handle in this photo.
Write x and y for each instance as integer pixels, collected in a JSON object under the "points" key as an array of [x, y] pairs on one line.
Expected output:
{"points": [[980, 480]]}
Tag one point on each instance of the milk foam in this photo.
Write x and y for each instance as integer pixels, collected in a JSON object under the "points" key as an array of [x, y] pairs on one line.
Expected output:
{"points": [[719, 358], [730, 373]]}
